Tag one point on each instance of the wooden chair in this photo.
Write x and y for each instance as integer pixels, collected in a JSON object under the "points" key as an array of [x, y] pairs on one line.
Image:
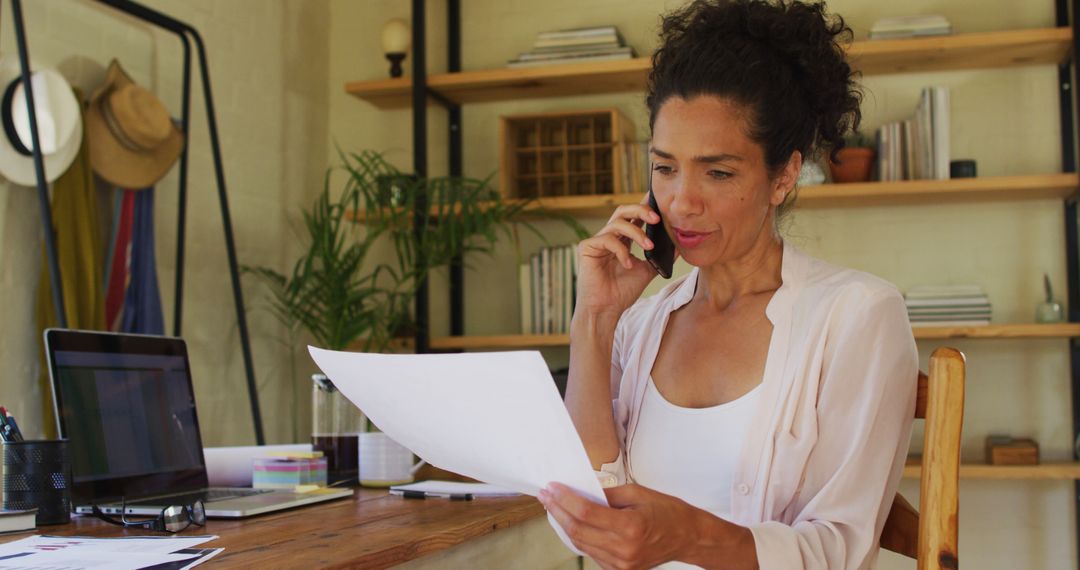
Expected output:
{"points": [[931, 537]]}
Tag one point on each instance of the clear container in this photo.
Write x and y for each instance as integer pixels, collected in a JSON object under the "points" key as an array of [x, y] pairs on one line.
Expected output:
{"points": [[335, 430]]}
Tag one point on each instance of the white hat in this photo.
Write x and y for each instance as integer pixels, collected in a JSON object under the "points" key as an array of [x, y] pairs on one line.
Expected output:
{"points": [[59, 124]]}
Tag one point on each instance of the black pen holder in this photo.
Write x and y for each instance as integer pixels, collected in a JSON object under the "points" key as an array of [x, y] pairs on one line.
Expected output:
{"points": [[37, 475]]}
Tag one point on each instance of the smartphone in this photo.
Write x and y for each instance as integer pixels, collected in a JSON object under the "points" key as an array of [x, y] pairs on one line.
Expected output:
{"points": [[662, 255]]}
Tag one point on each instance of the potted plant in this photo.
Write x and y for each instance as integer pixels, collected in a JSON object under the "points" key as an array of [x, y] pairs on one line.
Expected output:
{"points": [[855, 161], [342, 299]]}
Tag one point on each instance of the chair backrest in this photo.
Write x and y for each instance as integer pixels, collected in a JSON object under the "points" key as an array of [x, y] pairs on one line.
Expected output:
{"points": [[930, 535]]}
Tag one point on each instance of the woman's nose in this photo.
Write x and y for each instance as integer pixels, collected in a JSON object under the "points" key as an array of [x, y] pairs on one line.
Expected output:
{"points": [[685, 198]]}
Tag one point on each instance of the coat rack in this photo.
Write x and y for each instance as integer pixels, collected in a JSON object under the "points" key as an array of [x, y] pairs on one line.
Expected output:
{"points": [[183, 31]]}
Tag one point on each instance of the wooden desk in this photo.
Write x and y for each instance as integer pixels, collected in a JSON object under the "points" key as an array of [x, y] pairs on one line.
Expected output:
{"points": [[374, 530]]}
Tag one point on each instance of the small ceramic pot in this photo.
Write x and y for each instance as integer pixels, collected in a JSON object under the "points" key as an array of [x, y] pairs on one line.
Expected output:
{"points": [[855, 165]]}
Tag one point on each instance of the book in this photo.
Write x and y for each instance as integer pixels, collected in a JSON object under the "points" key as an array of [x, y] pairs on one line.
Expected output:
{"points": [[17, 520], [534, 273], [571, 59], [549, 55], [525, 292], [958, 323], [910, 26], [579, 32], [940, 111]]}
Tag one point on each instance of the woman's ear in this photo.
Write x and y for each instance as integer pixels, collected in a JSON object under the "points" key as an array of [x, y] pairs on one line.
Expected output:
{"points": [[784, 182]]}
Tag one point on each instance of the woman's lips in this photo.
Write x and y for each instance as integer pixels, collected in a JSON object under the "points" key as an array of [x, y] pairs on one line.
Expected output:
{"points": [[688, 239]]}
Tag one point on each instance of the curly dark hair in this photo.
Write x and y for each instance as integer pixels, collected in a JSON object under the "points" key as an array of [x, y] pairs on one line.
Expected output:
{"points": [[783, 60]]}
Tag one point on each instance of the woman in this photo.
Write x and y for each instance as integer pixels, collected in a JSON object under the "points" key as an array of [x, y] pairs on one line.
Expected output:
{"points": [[757, 412]]}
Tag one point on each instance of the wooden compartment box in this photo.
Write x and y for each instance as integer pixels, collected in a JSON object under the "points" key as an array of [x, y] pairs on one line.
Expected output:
{"points": [[565, 154]]}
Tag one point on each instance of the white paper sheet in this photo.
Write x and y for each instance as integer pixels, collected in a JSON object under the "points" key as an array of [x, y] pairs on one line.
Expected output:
{"points": [[496, 417], [73, 552]]}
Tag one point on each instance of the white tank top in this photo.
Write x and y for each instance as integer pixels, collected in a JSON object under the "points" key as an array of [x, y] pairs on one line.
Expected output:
{"points": [[690, 453]]}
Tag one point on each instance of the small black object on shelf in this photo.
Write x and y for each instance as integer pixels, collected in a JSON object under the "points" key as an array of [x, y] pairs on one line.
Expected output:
{"points": [[962, 169]]}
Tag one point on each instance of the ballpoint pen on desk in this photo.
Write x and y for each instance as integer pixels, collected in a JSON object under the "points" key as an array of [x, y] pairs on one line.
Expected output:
{"points": [[425, 494]]}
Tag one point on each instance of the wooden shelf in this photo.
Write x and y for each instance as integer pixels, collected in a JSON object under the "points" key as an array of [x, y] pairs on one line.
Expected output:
{"points": [[1029, 330], [1046, 471], [960, 51], [959, 190], [1064, 330]]}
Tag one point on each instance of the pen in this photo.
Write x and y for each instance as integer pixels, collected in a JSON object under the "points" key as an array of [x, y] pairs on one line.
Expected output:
{"points": [[14, 427], [424, 495], [5, 429]]}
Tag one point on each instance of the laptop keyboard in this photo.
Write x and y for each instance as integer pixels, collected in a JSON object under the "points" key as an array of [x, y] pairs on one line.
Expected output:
{"points": [[207, 496]]}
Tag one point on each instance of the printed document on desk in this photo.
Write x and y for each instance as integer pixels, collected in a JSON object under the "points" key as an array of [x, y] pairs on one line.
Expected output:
{"points": [[78, 552], [496, 417]]}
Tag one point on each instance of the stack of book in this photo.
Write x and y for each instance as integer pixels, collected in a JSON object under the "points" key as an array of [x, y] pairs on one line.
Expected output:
{"points": [[910, 27], [948, 306], [917, 148], [548, 284], [602, 43]]}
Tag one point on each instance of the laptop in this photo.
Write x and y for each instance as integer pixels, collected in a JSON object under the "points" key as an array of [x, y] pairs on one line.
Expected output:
{"points": [[126, 404]]}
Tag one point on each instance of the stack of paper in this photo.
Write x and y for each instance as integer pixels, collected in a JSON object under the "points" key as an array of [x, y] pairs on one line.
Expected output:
{"points": [[910, 26], [602, 43], [948, 305]]}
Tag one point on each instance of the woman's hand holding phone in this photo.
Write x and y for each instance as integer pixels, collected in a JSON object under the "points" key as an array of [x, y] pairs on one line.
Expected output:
{"points": [[610, 278]]}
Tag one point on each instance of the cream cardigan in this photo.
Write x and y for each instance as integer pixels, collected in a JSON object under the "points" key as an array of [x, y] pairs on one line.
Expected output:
{"points": [[824, 454]]}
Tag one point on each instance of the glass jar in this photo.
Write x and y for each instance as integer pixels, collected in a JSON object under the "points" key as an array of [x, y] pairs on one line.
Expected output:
{"points": [[335, 430]]}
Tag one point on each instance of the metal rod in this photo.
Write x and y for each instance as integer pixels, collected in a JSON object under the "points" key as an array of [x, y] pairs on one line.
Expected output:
{"points": [[419, 112], [181, 206], [457, 265], [181, 28], [39, 167]]}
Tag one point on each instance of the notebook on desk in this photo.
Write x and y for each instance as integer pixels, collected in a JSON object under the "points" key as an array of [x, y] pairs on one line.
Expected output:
{"points": [[126, 404]]}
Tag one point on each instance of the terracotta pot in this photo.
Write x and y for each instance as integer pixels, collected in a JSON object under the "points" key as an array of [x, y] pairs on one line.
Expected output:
{"points": [[855, 165]]}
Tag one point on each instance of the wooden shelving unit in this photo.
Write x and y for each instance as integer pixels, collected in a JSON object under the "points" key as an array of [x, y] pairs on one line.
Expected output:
{"points": [[1046, 471], [959, 51], [1007, 331], [907, 192]]}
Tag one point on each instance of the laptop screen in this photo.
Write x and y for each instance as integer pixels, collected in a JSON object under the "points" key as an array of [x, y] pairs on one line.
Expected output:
{"points": [[127, 406]]}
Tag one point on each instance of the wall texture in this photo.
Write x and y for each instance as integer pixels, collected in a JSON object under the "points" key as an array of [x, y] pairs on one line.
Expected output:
{"points": [[268, 69], [1005, 119]]}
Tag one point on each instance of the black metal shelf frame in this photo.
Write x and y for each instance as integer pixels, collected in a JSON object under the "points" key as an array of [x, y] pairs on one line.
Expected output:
{"points": [[1066, 15], [186, 34]]}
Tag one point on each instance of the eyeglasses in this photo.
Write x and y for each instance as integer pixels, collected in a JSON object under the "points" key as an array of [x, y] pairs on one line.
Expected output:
{"points": [[173, 518]]}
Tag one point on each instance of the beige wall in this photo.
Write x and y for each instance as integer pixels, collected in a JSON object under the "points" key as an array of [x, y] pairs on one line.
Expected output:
{"points": [[1005, 119], [268, 62]]}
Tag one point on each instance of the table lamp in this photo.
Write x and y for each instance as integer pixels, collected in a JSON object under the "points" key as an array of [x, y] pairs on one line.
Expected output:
{"points": [[395, 42]]}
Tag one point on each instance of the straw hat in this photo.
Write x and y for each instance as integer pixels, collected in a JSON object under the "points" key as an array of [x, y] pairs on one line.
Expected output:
{"points": [[133, 141], [59, 125]]}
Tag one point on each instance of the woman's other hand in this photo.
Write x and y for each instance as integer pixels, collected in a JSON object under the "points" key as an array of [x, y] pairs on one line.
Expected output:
{"points": [[610, 278], [641, 529]]}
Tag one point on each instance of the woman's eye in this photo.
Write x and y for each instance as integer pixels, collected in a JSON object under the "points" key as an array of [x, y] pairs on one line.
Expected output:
{"points": [[662, 169], [719, 174]]}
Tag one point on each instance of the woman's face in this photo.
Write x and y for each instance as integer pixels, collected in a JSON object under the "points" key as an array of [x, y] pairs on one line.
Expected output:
{"points": [[710, 180]]}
